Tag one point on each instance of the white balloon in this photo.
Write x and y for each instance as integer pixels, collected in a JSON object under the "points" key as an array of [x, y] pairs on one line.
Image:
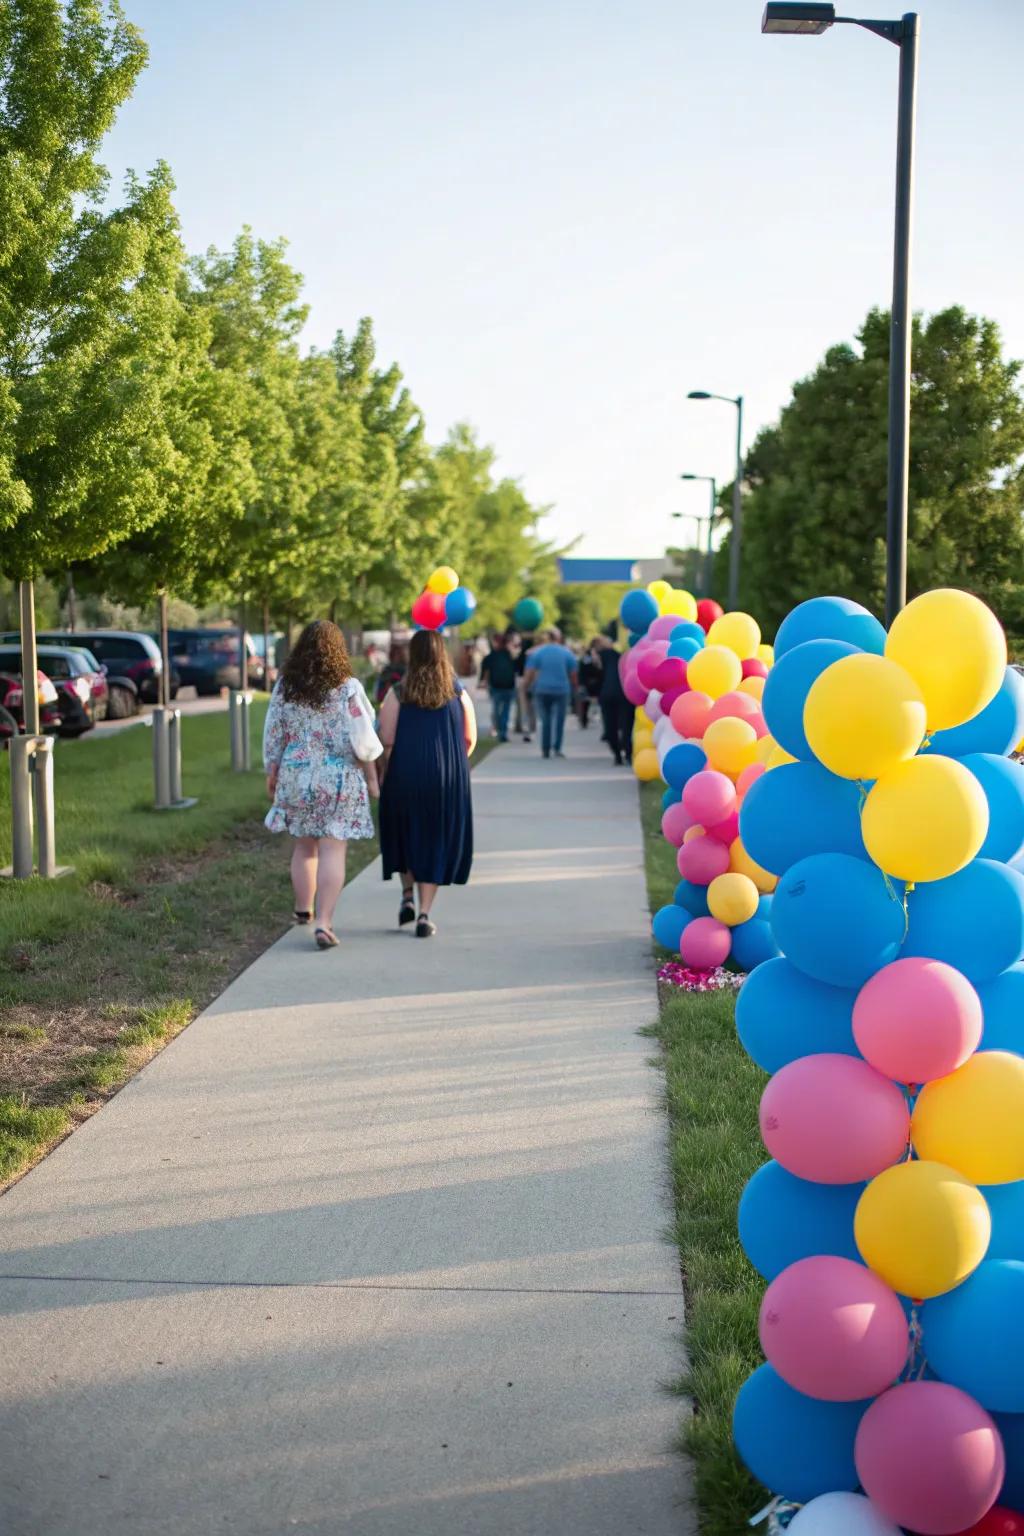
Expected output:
{"points": [[841, 1514], [652, 708], [660, 729]]}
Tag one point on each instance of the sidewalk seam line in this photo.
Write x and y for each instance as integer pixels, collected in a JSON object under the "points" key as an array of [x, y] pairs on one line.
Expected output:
{"points": [[340, 1285]]}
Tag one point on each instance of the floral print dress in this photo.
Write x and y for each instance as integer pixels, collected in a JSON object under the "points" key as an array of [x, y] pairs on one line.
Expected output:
{"points": [[321, 791]]}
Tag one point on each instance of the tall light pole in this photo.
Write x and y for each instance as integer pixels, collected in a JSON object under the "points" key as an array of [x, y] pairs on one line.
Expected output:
{"points": [[737, 497], [710, 556], [810, 20]]}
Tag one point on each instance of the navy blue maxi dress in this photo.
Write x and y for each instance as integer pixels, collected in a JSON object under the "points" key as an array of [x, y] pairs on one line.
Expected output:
{"points": [[426, 814]]}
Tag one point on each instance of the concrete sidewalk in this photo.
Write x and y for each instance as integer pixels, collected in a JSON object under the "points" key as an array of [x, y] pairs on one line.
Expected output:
{"points": [[375, 1247]]}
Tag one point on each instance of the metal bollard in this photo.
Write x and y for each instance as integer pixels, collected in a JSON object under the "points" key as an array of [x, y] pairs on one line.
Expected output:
{"points": [[174, 757], [32, 808], [42, 784], [161, 764], [241, 754]]}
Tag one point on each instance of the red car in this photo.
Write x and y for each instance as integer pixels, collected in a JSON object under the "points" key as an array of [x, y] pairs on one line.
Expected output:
{"points": [[12, 706]]}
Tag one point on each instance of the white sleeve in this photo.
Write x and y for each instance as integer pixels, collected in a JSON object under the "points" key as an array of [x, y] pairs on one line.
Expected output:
{"points": [[365, 742]]}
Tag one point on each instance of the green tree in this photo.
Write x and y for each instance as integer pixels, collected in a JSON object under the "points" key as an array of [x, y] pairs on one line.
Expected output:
{"points": [[814, 514]]}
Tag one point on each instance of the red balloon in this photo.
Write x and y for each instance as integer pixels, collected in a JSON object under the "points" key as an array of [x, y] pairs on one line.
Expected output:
{"points": [[754, 667], [669, 673], [998, 1522], [707, 612], [669, 697], [428, 610]]}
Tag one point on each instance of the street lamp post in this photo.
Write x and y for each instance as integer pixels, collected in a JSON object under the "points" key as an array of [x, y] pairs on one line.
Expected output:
{"points": [[709, 558], [737, 497], [810, 20]]}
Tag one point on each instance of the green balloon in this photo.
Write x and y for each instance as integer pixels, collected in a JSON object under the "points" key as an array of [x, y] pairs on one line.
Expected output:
{"points": [[527, 613]]}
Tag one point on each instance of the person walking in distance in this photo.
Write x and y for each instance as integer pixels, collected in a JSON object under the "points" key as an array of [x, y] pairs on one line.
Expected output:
{"points": [[319, 755], [428, 727], [526, 714], [498, 675], [616, 710], [551, 678]]}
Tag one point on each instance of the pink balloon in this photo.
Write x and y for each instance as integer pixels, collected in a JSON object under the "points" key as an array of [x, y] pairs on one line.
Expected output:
{"points": [[675, 822], [758, 722], [726, 831], [652, 705], [739, 706], [833, 1119], [647, 667], [702, 860], [634, 689], [834, 1330], [917, 1019], [709, 797], [705, 942], [750, 775], [628, 662], [930, 1457], [690, 715], [662, 627], [671, 673], [754, 667], [669, 697]]}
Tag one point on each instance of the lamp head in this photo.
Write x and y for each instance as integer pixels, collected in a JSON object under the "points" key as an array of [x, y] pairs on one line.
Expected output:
{"points": [[797, 18], [699, 394]]}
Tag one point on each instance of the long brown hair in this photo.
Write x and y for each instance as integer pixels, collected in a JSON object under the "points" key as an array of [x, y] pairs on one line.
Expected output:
{"points": [[430, 681], [317, 665]]}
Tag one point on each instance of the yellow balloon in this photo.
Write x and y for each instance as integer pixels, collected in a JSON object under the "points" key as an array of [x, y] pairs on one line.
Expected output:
{"points": [[693, 832], [732, 898], [640, 715], [954, 649], [766, 653], [765, 747], [680, 604], [443, 580], [730, 744], [714, 670], [754, 686], [739, 632], [659, 589], [925, 819], [863, 715], [645, 765], [741, 863], [923, 1227], [777, 758], [974, 1118]]}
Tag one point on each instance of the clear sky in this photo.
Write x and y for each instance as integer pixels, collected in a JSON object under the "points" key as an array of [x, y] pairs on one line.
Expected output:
{"points": [[563, 215]]}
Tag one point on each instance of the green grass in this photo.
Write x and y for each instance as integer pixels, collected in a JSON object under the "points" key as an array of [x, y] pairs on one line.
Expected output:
{"points": [[713, 1090]]}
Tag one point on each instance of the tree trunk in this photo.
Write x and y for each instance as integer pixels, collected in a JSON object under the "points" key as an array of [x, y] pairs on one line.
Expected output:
{"points": [[266, 645], [288, 627], [243, 655], [29, 658], [72, 605], [165, 654], [334, 610]]}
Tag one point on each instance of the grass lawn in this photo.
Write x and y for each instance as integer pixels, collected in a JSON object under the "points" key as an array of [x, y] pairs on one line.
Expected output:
{"points": [[100, 969], [713, 1090]]}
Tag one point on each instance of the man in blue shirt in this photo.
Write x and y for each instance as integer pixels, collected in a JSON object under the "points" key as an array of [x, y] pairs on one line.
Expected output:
{"points": [[551, 678]]}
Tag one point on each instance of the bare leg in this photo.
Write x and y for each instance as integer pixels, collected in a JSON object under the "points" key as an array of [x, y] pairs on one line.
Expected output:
{"points": [[331, 879], [427, 894], [304, 873]]}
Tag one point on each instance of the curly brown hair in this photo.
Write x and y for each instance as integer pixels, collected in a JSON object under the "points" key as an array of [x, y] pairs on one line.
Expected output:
{"points": [[317, 665], [430, 680]]}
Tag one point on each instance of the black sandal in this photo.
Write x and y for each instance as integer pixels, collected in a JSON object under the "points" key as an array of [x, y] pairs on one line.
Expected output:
{"points": [[407, 909], [325, 939], [425, 929], [302, 918]]}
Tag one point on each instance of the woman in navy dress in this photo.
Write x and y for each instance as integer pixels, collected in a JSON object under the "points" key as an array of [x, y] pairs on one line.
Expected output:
{"points": [[428, 728]]}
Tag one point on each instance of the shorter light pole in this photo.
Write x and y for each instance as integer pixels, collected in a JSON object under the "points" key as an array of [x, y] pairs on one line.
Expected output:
{"points": [[710, 556], [736, 538]]}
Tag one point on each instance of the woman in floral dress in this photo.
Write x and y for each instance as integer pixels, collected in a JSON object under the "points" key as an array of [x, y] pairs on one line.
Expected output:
{"points": [[319, 731]]}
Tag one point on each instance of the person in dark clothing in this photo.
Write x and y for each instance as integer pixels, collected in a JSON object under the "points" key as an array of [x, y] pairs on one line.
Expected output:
{"points": [[591, 677], [616, 709], [393, 670], [498, 675]]}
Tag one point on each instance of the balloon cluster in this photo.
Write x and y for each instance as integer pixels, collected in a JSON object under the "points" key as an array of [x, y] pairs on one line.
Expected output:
{"points": [[443, 601], [697, 683], [890, 1222]]}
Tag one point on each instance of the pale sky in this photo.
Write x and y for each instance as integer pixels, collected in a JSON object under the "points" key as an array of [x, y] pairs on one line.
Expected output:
{"points": [[564, 215]]}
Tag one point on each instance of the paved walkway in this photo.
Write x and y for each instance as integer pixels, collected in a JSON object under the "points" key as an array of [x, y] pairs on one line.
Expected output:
{"points": [[375, 1247]]}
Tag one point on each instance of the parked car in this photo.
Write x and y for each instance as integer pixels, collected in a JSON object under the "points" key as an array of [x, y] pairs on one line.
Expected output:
{"points": [[81, 693], [210, 659], [126, 654], [12, 706]]}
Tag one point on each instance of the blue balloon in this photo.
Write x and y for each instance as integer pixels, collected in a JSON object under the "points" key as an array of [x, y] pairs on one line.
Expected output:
{"points": [[1011, 1428], [1006, 1207], [638, 610], [668, 925], [686, 649], [798, 1446], [997, 729], [1002, 1007], [974, 1335], [788, 685], [781, 1015], [682, 762], [687, 629], [830, 618], [671, 797], [753, 944], [799, 809], [694, 898], [836, 918], [459, 605], [1002, 779], [974, 920], [783, 1218]]}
